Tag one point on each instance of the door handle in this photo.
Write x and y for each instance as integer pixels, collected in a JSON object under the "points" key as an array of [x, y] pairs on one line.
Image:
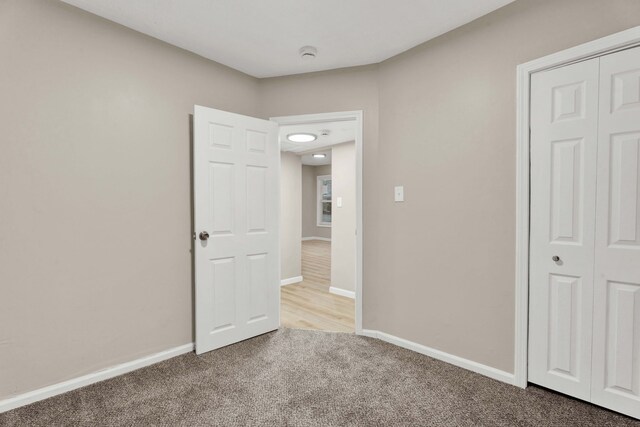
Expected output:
{"points": [[204, 236], [555, 258]]}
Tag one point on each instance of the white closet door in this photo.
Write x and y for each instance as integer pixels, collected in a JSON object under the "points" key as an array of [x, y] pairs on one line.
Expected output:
{"points": [[616, 338], [236, 163], [564, 116]]}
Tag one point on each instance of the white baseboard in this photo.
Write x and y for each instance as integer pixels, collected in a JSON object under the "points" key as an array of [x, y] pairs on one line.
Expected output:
{"points": [[470, 365], [324, 239], [94, 377], [342, 292], [291, 280], [123, 368]]}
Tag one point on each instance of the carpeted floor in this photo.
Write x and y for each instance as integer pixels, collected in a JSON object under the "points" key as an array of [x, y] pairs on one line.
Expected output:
{"points": [[309, 378]]}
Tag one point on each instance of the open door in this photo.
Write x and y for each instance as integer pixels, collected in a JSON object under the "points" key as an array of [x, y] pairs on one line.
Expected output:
{"points": [[236, 163]]}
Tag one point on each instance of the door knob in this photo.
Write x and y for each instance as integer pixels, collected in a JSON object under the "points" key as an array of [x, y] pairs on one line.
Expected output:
{"points": [[555, 258], [204, 235]]}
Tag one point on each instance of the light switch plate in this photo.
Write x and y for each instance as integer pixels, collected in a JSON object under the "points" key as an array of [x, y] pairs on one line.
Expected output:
{"points": [[339, 202], [399, 193]]}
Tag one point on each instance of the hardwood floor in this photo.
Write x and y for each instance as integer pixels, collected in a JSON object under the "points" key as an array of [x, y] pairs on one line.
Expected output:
{"points": [[308, 304]]}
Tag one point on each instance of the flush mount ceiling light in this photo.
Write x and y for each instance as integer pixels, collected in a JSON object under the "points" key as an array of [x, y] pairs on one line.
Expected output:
{"points": [[319, 156], [308, 53], [301, 137]]}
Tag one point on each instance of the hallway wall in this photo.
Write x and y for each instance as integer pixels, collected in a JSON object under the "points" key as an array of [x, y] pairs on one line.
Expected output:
{"points": [[343, 242], [290, 216]]}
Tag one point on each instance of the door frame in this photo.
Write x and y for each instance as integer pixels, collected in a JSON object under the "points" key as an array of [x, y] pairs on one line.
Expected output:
{"points": [[606, 45], [333, 117]]}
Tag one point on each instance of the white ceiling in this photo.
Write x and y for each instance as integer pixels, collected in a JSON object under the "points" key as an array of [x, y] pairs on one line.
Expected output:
{"points": [[262, 37], [339, 132]]}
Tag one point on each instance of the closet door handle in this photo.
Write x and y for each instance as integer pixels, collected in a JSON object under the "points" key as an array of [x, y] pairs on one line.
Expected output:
{"points": [[555, 258]]}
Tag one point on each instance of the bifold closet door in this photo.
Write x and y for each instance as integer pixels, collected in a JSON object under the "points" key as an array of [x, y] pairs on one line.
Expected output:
{"points": [[584, 311], [616, 323], [564, 119]]}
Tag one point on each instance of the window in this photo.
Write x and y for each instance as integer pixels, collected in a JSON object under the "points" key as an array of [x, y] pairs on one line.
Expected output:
{"points": [[323, 194]]}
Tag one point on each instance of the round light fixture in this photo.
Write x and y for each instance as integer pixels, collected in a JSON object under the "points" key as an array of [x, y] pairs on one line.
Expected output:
{"points": [[319, 156], [301, 137]]}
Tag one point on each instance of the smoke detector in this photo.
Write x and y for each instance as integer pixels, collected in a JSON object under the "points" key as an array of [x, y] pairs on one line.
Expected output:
{"points": [[308, 53], [325, 132]]}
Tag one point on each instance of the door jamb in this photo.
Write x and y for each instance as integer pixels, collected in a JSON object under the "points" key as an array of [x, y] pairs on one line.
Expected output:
{"points": [[332, 117], [606, 45]]}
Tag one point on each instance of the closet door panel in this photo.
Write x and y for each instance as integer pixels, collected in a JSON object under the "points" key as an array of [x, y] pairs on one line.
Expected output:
{"points": [[564, 114], [616, 338]]}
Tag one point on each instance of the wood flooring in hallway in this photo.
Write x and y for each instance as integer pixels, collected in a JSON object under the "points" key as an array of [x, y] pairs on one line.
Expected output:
{"points": [[308, 304]]}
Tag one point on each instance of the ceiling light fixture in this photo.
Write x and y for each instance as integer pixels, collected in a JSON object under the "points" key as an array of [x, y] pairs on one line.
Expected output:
{"points": [[301, 137], [319, 156]]}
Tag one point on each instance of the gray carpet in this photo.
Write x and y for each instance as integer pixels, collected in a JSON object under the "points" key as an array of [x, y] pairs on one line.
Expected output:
{"points": [[308, 378]]}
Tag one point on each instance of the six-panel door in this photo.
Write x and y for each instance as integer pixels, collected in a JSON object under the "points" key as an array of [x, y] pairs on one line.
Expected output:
{"points": [[236, 190]]}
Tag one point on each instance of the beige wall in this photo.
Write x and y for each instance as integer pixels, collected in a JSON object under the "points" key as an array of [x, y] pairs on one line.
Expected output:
{"points": [[439, 268], [343, 242], [95, 222], [290, 215], [341, 90], [447, 133], [310, 227], [95, 199]]}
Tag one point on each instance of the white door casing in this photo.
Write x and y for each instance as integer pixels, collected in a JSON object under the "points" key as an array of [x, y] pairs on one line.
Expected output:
{"points": [[564, 117], [236, 165], [357, 116], [616, 323]]}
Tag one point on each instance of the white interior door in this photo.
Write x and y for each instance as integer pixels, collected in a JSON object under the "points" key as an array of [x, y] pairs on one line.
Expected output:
{"points": [[236, 164], [616, 337], [564, 117]]}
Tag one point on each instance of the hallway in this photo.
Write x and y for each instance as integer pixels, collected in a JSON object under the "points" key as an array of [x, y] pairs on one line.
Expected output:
{"points": [[308, 304]]}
